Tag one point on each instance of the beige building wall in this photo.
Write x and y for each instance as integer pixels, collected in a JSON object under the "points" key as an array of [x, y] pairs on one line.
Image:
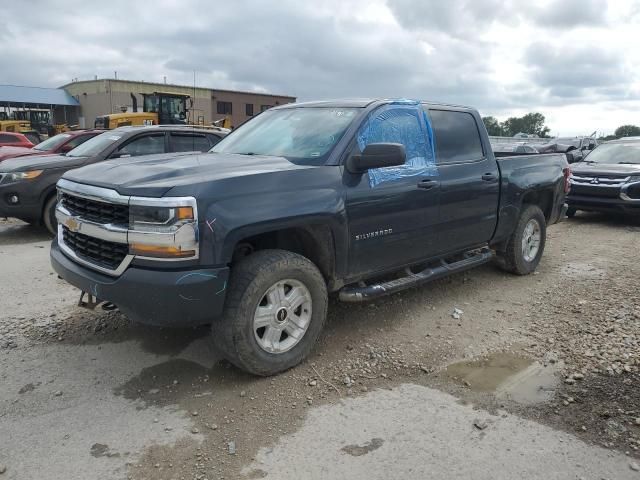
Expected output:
{"points": [[103, 96]]}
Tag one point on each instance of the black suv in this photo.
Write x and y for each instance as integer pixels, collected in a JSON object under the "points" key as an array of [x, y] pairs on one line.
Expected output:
{"points": [[608, 179], [28, 184]]}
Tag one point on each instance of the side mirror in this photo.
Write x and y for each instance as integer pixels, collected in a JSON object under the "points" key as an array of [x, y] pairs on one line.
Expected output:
{"points": [[570, 157], [66, 148], [377, 155]]}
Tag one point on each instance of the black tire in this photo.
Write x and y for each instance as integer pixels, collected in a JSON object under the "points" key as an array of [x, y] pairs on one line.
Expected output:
{"points": [[233, 334], [513, 259], [571, 212], [49, 215]]}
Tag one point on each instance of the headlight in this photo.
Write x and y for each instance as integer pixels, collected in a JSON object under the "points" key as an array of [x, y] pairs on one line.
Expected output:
{"points": [[159, 219], [163, 231], [17, 176], [634, 178]]}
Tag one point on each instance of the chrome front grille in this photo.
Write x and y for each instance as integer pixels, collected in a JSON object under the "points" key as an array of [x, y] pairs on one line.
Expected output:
{"points": [[595, 185], [96, 211], [93, 227], [608, 180], [100, 252]]}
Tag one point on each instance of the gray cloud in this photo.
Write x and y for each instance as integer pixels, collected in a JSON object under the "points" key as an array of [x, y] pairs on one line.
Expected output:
{"points": [[464, 18], [572, 71], [570, 13], [425, 49]]}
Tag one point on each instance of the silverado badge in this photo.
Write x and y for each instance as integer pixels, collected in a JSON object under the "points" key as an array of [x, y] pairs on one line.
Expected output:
{"points": [[377, 233]]}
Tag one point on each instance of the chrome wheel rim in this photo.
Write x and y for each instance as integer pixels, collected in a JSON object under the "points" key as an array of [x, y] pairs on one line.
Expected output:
{"points": [[531, 240], [282, 316]]}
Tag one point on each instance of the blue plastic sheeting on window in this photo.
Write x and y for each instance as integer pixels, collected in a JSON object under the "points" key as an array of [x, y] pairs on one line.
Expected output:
{"points": [[406, 123]]}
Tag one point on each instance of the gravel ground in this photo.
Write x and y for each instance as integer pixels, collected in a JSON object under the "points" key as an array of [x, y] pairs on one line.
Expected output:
{"points": [[578, 317]]}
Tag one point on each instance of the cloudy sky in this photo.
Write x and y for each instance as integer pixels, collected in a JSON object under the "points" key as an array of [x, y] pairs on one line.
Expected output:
{"points": [[576, 61]]}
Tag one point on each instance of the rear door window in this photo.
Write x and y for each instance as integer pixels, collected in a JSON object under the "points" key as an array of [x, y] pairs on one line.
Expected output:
{"points": [[79, 140], [186, 142], [8, 139], [457, 137], [144, 145], [213, 139]]}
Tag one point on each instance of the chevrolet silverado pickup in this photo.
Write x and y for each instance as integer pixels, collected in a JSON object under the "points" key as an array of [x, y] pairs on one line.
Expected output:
{"points": [[358, 198]]}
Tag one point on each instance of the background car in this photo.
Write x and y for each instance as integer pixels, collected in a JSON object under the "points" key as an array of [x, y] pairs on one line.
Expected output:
{"points": [[17, 140], [61, 143], [579, 147], [28, 184], [608, 179]]}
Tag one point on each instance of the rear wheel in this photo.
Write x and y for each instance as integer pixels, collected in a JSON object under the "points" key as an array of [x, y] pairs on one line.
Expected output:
{"points": [[526, 244], [49, 215], [275, 309]]}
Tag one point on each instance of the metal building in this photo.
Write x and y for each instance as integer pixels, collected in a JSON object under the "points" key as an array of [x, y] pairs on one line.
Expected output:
{"points": [[103, 96], [63, 107]]}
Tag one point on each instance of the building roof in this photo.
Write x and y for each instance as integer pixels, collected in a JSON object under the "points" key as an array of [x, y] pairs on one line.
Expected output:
{"points": [[165, 85], [35, 95]]}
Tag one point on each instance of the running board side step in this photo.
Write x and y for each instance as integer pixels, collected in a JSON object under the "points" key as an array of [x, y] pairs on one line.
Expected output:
{"points": [[362, 293]]}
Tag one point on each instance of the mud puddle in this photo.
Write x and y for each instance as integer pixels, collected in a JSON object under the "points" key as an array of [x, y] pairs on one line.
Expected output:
{"points": [[509, 376]]}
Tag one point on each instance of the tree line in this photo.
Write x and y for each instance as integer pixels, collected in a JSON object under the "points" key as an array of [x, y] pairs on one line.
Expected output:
{"points": [[533, 124]]}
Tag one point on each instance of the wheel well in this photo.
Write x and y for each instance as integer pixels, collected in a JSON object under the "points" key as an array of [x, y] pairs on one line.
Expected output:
{"points": [[312, 242], [45, 199], [541, 198]]}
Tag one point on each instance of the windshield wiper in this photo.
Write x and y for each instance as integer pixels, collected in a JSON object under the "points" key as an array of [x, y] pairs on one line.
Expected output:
{"points": [[627, 163]]}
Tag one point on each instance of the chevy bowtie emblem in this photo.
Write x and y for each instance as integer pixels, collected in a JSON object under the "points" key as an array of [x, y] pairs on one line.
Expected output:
{"points": [[72, 224], [595, 181]]}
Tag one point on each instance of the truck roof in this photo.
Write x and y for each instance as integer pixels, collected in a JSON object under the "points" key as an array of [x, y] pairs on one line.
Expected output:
{"points": [[361, 103]]}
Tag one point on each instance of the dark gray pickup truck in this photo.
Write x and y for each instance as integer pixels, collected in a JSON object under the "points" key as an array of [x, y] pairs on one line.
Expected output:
{"points": [[358, 198]]}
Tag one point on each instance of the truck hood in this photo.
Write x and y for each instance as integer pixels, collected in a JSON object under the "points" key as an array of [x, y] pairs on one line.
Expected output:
{"points": [[605, 168], [40, 162], [154, 176]]}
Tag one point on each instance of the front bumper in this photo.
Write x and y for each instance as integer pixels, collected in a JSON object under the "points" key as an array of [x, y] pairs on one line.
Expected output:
{"points": [[155, 297], [29, 206], [603, 204]]}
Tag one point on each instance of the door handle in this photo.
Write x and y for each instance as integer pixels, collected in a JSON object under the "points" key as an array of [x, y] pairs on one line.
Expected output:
{"points": [[488, 177], [427, 184]]}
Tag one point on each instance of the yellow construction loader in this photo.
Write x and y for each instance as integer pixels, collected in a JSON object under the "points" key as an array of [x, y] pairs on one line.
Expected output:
{"points": [[159, 108]]}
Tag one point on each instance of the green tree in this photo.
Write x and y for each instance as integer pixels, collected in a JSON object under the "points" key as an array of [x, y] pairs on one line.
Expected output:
{"points": [[531, 123], [627, 131], [493, 126]]}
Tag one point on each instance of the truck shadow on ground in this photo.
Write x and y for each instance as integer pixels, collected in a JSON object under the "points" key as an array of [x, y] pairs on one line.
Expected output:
{"points": [[20, 233], [100, 327], [628, 222]]}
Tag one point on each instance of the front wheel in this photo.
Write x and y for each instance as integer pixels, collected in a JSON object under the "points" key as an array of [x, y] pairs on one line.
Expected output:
{"points": [[49, 215], [526, 244], [275, 309]]}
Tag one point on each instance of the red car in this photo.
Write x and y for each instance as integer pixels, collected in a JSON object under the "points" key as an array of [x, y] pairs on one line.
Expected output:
{"points": [[11, 139], [58, 144]]}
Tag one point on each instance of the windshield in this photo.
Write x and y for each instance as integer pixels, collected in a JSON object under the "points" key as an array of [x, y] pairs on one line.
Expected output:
{"points": [[615, 153], [95, 145], [302, 135], [52, 143]]}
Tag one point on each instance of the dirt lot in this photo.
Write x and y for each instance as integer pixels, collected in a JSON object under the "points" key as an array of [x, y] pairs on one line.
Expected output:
{"points": [[539, 377]]}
